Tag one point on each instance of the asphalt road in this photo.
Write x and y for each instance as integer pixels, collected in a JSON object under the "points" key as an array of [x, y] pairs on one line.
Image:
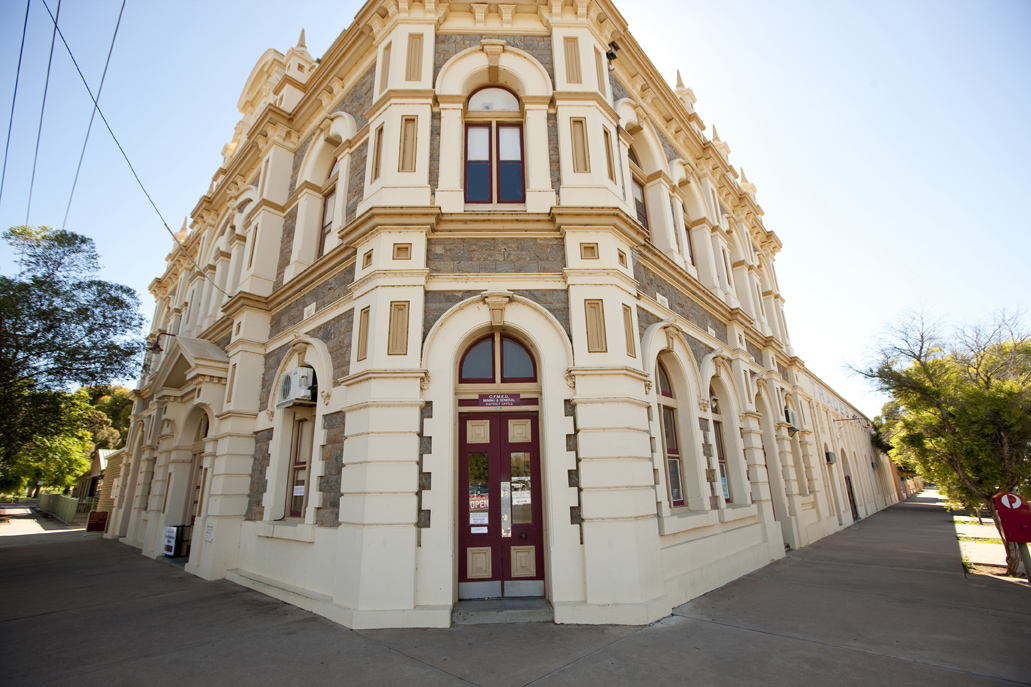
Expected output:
{"points": [[884, 602]]}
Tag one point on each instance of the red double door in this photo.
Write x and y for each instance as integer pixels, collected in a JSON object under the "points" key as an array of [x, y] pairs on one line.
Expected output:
{"points": [[500, 526]]}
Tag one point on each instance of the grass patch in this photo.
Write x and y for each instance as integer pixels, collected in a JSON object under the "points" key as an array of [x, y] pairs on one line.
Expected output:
{"points": [[982, 540]]}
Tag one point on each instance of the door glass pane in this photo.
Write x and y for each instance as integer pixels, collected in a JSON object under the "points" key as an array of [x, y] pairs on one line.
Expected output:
{"points": [[479, 497], [522, 505], [674, 481], [478, 145], [509, 145], [515, 361], [479, 361], [297, 493], [669, 427]]}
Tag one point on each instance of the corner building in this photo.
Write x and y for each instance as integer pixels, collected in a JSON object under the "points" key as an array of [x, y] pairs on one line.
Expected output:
{"points": [[475, 308]]}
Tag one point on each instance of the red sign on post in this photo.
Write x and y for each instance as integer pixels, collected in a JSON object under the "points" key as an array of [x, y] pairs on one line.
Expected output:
{"points": [[1015, 516]]}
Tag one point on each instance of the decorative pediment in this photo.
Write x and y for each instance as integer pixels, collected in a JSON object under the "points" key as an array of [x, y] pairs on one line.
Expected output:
{"points": [[191, 361]]}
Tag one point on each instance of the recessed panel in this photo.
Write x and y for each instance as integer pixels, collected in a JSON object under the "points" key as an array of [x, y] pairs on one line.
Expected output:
{"points": [[477, 563], [524, 561], [477, 431]]}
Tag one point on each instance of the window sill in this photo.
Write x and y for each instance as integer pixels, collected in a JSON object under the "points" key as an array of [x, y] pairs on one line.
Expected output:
{"points": [[495, 207], [738, 512], [682, 520], [287, 529]]}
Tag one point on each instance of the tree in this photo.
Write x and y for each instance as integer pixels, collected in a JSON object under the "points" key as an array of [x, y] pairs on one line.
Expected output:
{"points": [[962, 413], [60, 327]]}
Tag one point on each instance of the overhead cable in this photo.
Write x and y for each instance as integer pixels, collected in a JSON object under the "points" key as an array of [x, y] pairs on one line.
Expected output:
{"points": [[126, 157], [14, 98], [42, 109], [64, 225]]}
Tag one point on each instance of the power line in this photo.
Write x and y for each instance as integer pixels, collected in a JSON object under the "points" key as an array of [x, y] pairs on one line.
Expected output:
{"points": [[14, 98], [122, 151], [42, 109], [64, 225]]}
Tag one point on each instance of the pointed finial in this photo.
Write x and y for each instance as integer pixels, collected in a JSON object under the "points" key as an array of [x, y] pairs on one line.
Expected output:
{"points": [[715, 136], [680, 82], [744, 179], [300, 41]]}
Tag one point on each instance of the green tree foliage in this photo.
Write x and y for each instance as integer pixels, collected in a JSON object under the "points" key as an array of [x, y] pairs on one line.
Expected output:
{"points": [[116, 406], [60, 327], [57, 453], [961, 409]]}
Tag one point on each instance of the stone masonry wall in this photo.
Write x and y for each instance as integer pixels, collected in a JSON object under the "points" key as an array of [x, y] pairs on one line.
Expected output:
{"points": [[259, 473], [489, 255], [328, 514]]}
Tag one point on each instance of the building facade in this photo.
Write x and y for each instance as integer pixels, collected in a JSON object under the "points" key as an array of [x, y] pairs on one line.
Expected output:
{"points": [[474, 308]]}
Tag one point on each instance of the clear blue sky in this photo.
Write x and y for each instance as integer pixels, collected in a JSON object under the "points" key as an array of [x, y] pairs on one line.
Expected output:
{"points": [[888, 140]]}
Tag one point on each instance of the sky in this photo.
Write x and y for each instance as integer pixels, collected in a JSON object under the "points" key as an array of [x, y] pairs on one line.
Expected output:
{"points": [[887, 140]]}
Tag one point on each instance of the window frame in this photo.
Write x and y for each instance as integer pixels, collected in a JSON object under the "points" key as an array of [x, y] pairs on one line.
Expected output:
{"points": [[494, 121], [497, 361], [668, 404]]}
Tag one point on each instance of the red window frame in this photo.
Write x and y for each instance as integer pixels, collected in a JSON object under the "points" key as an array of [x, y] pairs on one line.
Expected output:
{"points": [[298, 465], [497, 376]]}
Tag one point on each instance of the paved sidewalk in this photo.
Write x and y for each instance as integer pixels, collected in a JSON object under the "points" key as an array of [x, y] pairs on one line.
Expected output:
{"points": [[885, 602], [24, 526]]}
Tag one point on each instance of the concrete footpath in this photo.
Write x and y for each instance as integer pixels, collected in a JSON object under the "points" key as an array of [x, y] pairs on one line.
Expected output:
{"points": [[884, 602]]}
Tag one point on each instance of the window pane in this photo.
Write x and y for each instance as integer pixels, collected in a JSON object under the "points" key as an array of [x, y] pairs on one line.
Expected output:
{"points": [[478, 143], [515, 361], [669, 427], [491, 99], [479, 361], [522, 506], [510, 182], [664, 387], [477, 182], [642, 214], [509, 146], [479, 487], [327, 211], [675, 490]]}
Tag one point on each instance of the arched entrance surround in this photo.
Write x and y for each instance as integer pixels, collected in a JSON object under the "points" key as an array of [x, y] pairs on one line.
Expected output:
{"points": [[454, 402]]}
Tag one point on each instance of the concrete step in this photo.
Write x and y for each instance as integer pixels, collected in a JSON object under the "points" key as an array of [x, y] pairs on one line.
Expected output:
{"points": [[486, 611]]}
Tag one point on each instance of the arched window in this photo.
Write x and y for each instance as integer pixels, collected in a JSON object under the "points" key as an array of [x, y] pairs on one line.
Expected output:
{"points": [[494, 352], [670, 439], [721, 445], [494, 147]]}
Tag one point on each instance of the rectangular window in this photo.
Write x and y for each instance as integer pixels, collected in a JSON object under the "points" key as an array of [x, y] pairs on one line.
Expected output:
{"points": [[300, 451], [254, 242], [628, 326], [328, 205], [639, 206], [413, 68], [690, 244], [408, 130], [384, 70], [477, 164], [726, 266], [610, 161], [397, 341], [599, 67], [377, 152], [264, 177], [232, 382], [572, 46], [510, 163], [672, 450], [721, 455], [581, 159], [363, 334], [596, 342]]}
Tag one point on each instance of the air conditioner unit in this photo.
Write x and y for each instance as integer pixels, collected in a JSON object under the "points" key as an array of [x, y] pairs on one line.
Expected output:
{"points": [[792, 418], [296, 387], [831, 458]]}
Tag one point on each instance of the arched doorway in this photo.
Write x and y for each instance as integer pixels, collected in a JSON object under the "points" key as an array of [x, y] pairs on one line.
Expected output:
{"points": [[500, 505]]}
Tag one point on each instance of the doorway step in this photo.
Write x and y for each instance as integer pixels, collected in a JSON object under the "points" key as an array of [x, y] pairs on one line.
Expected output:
{"points": [[487, 611]]}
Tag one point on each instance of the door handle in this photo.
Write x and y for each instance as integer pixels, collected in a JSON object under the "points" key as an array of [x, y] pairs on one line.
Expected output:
{"points": [[506, 509]]}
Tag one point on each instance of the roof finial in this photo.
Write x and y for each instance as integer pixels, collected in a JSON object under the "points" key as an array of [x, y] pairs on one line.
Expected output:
{"points": [[300, 41], [715, 136], [680, 82]]}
